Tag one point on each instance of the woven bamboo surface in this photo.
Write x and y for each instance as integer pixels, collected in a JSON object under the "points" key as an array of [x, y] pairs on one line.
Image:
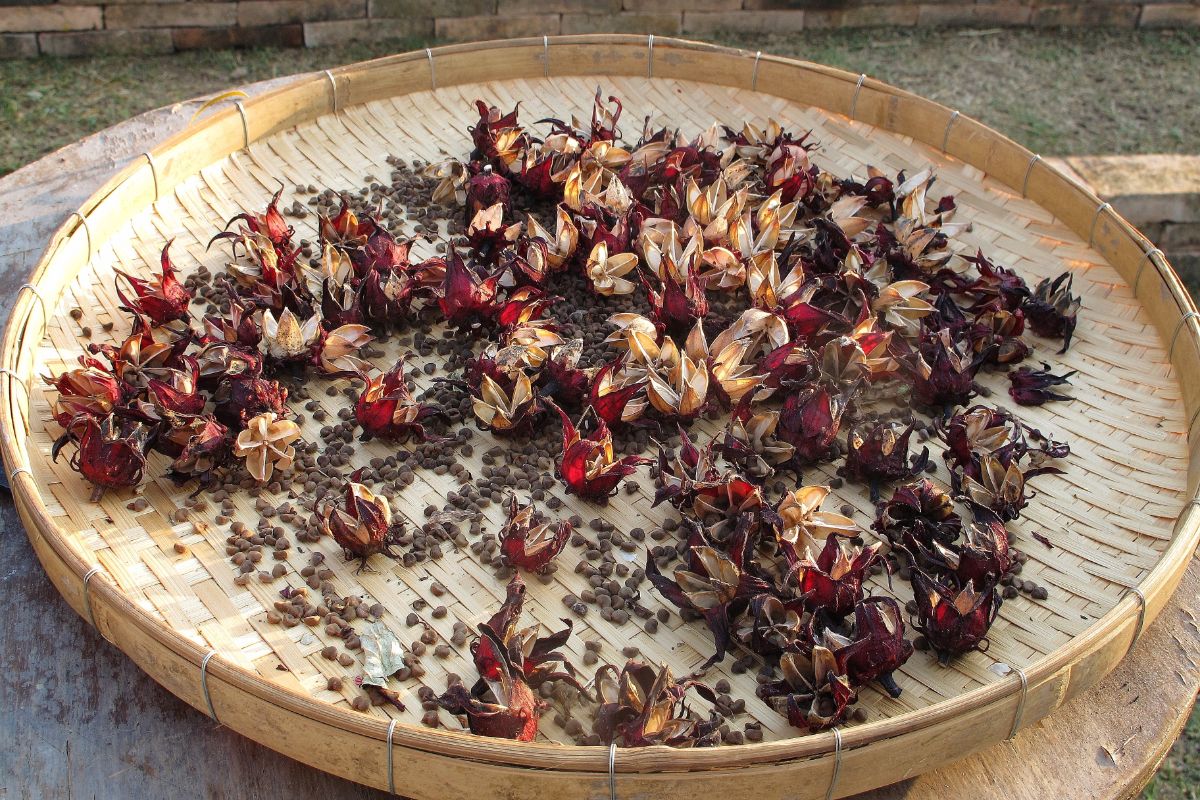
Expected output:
{"points": [[1111, 516]]}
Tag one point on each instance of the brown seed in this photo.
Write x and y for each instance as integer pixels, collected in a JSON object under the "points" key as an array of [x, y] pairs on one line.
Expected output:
{"points": [[329, 653], [333, 683], [360, 703], [345, 659], [439, 612]]}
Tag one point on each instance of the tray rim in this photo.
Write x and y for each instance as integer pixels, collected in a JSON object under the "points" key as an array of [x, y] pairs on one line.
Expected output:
{"points": [[1048, 682]]}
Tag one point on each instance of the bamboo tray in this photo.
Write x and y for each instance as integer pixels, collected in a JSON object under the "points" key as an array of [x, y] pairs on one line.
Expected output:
{"points": [[1123, 519]]}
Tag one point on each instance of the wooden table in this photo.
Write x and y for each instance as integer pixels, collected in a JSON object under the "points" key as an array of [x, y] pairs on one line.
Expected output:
{"points": [[78, 719]]}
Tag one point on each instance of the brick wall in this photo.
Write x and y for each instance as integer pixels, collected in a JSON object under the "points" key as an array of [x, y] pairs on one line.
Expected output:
{"points": [[79, 27]]}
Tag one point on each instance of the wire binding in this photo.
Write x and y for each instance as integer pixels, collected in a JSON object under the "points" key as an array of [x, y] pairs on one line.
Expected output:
{"points": [[949, 124], [12, 476], [612, 771], [245, 123], [432, 74], [1175, 336], [1100, 209], [1141, 620], [87, 599], [153, 173], [14, 376], [391, 778], [87, 231], [337, 106], [650, 56], [212, 712], [837, 763], [857, 88], [546, 55], [1020, 712], [33, 289], [1147, 258], [754, 77], [1028, 172]]}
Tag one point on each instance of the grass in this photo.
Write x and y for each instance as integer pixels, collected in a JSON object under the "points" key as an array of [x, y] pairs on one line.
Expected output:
{"points": [[1057, 92]]}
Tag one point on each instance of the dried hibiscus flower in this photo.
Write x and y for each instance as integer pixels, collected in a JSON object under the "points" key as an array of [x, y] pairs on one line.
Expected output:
{"points": [[246, 396], [163, 299], [810, 420], [266, 444], [875, 647], [832, 580], [953, 621], [588, 465], [505, 407], [203, 443], [503, 705], [918, 515], [89, 390], [528, 543], [990, 483], [815, 693], [386, 408], [1033, 387], [1052, 309], [534, 657], [944, 371], [641, 706], [880, 455], [362, 525], [111, 453]]}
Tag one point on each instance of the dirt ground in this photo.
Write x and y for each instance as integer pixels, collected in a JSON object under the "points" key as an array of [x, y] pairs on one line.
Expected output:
{"points": [[1059, 92]]}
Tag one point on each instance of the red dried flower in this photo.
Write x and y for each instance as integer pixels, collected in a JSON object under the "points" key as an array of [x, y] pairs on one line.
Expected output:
{"points": [[832, 580], [502, 706], [810, 420], [918, 515], [953, 621], [270, 223], [1052, 309], [877, 647], [486, 189], [111, 453], [528, 545], [1032, 387], [243, 397], [880, 455], [983, 558], [163, 299], [387, 410], [88, 390], [531, 656], [588, 466], [362, 526], [202, 444], [466, 298], [815, 693], [943, 373], [640, 706], [679, 304]]}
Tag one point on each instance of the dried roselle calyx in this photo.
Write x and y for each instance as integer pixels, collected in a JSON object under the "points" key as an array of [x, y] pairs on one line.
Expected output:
{"points": [[465, 298], [679, 475], [492, 122], [880, 455], [997, 282], [981, 429], [680, 303], [876, 647], [177, 391], [270, 223], [386, 296], [345, 231], [288, 340], [561, 378], [111, 453], [560, 245], [202, 442], [341, 303], [1052, 309], [954, 621], [770, 626], [919, 515], [750, 443], [943, 374], [238, 327], [992, 483], [588, 465], [485, 189], [999, 333], [532, 656], [89, 390], [832, 580], [163, 299], [488, 235], [789, 363], [810, 420], [527, 543], [505, 406], [220, 361], [608, 272], [362, 525], [334, 352], [641, 706], [983, 557], [502, 706], [387, 410], [382, 252], [800, 522], [266, 444], [715, 587], [245, 396], [789, 172], [815, 693], [1033, 387], [614, 395]]}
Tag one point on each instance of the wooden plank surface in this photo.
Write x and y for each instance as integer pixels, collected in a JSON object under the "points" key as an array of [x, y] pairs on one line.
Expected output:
{"points": [[80, 720]]}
